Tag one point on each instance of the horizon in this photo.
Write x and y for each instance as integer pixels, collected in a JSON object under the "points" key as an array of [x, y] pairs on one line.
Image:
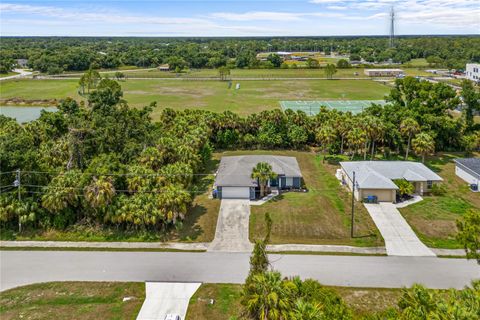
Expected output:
{"points": [[246, 19]]}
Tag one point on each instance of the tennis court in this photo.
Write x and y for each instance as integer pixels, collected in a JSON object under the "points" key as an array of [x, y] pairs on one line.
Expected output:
{"points": [[311, 108]]}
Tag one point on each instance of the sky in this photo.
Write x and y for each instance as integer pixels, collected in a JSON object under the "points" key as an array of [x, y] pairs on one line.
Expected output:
{"points": [[182, 18]]}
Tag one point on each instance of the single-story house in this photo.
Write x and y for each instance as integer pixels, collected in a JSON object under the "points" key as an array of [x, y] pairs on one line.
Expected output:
{"points": [[22, 63], [469, 170], [375, 178], [383, 72], [233, 179], [164, 67]]}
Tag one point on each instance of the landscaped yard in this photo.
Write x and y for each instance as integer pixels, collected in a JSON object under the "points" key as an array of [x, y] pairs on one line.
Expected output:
{"points": [[434, 218], [319, 216], [253, 96]]}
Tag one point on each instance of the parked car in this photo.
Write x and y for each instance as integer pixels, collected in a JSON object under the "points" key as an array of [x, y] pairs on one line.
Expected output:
{"points": [[172, 317]]}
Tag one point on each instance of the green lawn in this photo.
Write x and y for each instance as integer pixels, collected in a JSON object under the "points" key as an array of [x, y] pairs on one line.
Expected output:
{"points": [[320, 216], [8, 74], [253, 96], [72, 300], [434, 218], [103, 300], [261, 73]]}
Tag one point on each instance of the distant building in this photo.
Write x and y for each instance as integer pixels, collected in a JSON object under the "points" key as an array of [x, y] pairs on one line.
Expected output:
{"points": [[22, 63], [384, 72], [285, 55], [473, 71], [164, 67]]}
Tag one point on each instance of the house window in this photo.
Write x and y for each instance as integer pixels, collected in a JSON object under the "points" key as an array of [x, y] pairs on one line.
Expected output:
{"points": [[429, 184]]}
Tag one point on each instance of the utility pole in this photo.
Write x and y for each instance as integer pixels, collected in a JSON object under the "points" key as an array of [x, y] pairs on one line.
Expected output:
{"points": [[17, 184], [353, 205]]}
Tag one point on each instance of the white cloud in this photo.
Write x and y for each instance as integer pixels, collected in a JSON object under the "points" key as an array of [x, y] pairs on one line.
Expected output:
{"points": [[105, 16], [258, 15]]}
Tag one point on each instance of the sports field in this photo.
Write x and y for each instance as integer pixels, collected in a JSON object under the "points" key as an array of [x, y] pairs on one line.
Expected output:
{"points": [[311, 108], [252, 97]]}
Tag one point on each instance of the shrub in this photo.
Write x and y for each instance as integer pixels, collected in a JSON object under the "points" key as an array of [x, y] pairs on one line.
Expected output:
{"points": [[438, 190]]}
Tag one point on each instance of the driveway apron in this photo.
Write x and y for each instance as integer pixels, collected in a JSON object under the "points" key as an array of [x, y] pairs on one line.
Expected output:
{"points": [[231, 234], [400, 240]]}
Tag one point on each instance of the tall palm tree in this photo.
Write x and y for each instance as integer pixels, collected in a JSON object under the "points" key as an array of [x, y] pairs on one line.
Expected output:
{"points": [[100, 192], [356, 139], [409, 127], [263, 172], [325, 137], [423, 144]]}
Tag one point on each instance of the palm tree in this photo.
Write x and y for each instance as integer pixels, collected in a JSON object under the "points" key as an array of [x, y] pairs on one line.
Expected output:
{"points": [[326, 136], [409, 127], [305, 310], [423, 144], [268, 297], [356, 139], [262, 173], [100, 192]]}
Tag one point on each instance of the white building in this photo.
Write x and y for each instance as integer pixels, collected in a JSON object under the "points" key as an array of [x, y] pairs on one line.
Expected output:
{"points": [[472, 71]]}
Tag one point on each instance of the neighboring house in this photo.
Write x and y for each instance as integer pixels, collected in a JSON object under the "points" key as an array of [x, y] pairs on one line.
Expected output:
{"points": [[22, 63], [374, 178], [164, 67], [233, 179], [469, 170], [384, 72], [472, 71]]}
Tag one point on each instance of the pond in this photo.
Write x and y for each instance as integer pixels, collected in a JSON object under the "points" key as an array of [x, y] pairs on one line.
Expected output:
{"points": [[24, 114]]}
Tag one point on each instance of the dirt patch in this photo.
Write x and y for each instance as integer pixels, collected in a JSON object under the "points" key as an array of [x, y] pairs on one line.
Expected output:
{"points": [[192, 92], [29, 102], [435, 228]]}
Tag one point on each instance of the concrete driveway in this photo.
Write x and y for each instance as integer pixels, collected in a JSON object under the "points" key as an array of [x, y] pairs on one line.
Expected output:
{"points": [[400, 240], [231, 234], [162, 298]]}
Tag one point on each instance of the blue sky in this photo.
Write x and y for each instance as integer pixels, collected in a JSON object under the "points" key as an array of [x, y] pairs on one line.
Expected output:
{"points": [[236, 17]]}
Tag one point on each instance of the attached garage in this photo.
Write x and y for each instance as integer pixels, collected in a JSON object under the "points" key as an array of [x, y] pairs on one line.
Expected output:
{"points": [[383, 195], [235, 192]]}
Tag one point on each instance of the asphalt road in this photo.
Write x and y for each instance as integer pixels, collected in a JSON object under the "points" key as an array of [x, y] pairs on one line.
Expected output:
{"points": [[26, 267]]}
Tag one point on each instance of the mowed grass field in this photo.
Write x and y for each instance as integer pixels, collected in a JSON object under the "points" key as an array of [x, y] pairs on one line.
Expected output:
{"points": [[319, 216], [434, 218], [257, 73], [252, 97]]}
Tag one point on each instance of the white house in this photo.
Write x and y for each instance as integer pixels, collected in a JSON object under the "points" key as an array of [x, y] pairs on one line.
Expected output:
{"points": [[375, 178], [468, 169], [472, 71]]}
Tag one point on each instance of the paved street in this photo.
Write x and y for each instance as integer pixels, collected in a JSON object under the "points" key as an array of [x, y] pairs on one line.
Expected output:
{"points": [[26, 267], [231, 234], [400, 240]]}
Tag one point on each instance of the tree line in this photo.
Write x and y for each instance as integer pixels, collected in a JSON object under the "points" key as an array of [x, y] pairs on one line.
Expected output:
{"points": [[106, 163], [56, 55]]}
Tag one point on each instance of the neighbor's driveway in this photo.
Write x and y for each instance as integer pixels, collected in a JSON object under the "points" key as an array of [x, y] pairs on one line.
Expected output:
{"points": [[231, 234], [162, 298], [400, 240]]}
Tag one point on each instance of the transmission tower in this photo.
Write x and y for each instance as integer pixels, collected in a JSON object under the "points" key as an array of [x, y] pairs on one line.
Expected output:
{"points": [[392, 28]]}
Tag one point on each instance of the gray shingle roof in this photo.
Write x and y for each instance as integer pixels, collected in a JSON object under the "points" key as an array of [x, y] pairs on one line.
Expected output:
{"points": [[471, 165], [235, 171], [379, 174]]}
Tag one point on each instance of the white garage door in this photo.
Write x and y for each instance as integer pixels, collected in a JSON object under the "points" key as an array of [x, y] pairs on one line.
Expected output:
{"points": [[235, 193]]}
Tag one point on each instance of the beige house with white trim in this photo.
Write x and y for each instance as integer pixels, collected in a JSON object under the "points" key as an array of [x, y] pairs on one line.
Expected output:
{"points": [[375, 178]]}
